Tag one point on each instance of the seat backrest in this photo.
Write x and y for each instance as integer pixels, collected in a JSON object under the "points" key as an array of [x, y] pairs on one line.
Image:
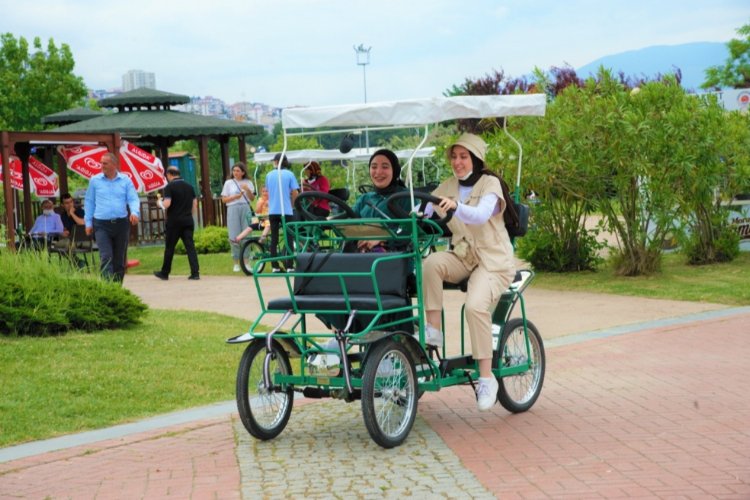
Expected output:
{"points": [[390, 275], [342, 193]]}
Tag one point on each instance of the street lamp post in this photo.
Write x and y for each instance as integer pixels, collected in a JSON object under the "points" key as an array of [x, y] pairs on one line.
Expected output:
{"points": [[363, 59]]}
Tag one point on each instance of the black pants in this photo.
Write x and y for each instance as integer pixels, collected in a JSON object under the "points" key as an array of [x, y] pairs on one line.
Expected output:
{"points": [[181, 228], [275, 221], [112, 237]]}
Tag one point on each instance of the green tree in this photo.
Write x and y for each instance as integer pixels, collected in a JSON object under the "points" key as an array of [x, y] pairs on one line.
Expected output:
{"points": [[711, 155], [735, 73], [35, 84], [560, 166]]}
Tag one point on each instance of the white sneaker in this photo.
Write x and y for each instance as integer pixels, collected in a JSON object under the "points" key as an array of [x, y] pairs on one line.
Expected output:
{"points": [[432, 336], [236, 268], [487, 393]]}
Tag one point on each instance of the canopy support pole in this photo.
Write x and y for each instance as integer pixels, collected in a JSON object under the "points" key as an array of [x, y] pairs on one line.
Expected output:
{"points": [[517, 190]]}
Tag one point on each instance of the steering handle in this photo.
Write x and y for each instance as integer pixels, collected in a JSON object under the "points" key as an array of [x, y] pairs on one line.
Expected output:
{"points": [[425, 197]]}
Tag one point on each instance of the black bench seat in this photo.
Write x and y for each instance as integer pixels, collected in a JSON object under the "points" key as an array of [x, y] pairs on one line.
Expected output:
{"points": [[343, 282]]}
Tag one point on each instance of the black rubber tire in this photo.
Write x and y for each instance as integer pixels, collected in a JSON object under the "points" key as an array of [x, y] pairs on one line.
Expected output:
{"points": [[518, 393], [251, 250], [389, 393], [303, 201], [263, 413]]}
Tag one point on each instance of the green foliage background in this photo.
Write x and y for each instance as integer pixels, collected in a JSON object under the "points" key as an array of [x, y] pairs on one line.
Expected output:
{"points": [[36, 81]]}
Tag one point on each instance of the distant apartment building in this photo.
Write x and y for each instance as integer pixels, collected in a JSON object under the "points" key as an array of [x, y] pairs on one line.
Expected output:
{"points": [[136, 79], [206, 106]]}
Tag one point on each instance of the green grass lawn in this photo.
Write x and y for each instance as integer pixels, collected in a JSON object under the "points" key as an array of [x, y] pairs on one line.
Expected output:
{"points": [[720, 283], [79, 381], [215, 264]]}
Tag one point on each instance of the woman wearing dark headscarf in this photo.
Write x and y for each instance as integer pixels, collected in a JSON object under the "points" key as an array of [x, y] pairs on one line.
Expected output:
{"points": [[480, 250], [385, 171]]}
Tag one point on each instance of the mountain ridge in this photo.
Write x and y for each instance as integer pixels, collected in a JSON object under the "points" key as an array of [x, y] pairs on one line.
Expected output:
{"points": [[692, 59]]}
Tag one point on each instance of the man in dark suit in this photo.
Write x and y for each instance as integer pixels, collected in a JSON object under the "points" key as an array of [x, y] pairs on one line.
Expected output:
{"points": [[180, 203]]}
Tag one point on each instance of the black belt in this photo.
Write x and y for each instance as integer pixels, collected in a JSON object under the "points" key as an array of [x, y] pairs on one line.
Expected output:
{"points": [[112, 221]]}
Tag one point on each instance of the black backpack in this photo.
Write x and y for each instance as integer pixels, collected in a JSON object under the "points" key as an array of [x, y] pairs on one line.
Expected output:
{"points": [[516, 214]]}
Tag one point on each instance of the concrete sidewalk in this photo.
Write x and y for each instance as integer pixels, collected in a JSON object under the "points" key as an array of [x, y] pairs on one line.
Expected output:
{"points": [[650, 408]]}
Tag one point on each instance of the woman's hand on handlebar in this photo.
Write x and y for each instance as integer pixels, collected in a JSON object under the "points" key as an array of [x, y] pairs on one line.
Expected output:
{"points": [[446, 204]]}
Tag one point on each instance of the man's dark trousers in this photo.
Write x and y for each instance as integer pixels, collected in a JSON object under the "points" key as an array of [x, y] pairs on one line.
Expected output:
{"points": [[180, 228], [112, 237]]}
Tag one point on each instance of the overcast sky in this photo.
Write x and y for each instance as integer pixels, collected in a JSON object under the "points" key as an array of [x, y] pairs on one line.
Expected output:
{"points": [[289, 52]]}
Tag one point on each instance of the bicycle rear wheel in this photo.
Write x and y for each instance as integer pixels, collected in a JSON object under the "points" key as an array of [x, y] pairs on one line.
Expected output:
{"points": [[250, 252]]}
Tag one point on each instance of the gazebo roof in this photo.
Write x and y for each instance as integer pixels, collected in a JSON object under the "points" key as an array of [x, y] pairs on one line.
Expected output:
{"points": [[161, 123], [71, 116], [143, 97]]}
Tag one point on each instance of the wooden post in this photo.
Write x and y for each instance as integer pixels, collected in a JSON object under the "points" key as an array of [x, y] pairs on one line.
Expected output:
{"points": [[224, 145], [243, 149], [208, 202], [23, 150], [10, 222]]}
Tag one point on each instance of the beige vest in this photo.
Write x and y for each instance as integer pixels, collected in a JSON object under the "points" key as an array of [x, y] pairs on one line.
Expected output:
{"points": [[487, 245]]}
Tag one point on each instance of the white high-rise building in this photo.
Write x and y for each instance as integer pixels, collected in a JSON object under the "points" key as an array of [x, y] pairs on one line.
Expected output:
{"points": [[136, 79]]}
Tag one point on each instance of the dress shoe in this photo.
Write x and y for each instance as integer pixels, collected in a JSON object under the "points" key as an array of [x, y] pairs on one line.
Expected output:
{"points": [[161, 275]]}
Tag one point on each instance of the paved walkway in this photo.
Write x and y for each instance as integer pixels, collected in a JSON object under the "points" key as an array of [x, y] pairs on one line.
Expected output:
{"points": [[632, 410]]}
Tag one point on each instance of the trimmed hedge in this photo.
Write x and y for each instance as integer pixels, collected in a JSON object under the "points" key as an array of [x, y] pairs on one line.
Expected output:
{"points": [[210, 239], [45, 296]]}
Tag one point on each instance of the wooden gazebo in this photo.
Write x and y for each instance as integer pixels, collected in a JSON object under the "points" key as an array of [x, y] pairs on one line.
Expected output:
{"points": [[145, 116]]}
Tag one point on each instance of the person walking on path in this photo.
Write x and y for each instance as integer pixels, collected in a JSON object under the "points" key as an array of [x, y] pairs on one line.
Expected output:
{"points": [[282, 190], [180, 204], [237, 193], [108, 199]]}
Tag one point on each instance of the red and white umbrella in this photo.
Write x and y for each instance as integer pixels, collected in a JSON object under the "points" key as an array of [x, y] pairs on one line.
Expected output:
{"points": [[43, 179], [144, 169]]}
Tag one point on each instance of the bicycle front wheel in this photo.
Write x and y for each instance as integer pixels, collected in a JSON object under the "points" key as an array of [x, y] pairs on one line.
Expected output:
{"points": [[264, 412], [250, 252]]}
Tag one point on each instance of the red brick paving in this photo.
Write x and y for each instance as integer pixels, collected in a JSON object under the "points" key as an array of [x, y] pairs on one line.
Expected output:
{"points": [[194, 460], [662, 413], [659, 413]]}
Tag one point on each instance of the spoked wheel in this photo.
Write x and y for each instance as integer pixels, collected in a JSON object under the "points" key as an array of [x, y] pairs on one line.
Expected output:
{"points": [[519, 392], [264, 412], [389, 393], [250, 252]]}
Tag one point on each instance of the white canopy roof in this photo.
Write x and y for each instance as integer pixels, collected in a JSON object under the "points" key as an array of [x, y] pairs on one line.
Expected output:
{"points": [[356, 154], [414, 112]]}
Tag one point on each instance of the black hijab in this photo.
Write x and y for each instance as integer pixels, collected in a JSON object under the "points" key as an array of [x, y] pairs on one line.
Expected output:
{"points": [[396, 181]]}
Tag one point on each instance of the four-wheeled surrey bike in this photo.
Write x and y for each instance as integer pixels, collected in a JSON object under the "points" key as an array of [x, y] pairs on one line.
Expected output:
{"points": [[373, 345]]}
